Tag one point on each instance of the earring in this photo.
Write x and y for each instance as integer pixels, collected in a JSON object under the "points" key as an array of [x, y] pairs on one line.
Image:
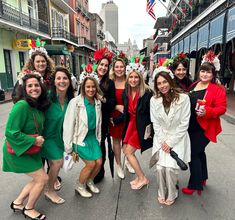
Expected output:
{"points": [[172, 90]]}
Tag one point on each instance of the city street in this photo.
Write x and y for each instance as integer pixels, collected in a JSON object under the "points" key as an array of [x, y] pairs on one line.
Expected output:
{"points": [[118, 201]]}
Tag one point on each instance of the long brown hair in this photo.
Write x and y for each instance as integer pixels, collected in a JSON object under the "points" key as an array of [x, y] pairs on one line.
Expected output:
{"points": [[172, 95]]}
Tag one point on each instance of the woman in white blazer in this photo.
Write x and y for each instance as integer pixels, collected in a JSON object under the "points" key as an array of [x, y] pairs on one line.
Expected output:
{"points": [[82, 133], [170, 113]]}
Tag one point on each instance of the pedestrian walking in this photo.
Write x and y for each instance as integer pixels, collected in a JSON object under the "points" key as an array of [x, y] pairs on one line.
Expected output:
{"points": [[170, 113], [53, 148], [103, 59], [137, 131], [82, 133], [24, 134], [208, 103]]}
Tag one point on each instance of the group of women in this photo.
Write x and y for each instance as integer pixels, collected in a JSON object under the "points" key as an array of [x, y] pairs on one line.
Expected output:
{"points": [[119, 104]]}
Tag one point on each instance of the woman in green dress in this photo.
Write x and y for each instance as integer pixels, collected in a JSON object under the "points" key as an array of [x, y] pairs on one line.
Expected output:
{"points": [[27, 117], [82, 133], [53, 147]]}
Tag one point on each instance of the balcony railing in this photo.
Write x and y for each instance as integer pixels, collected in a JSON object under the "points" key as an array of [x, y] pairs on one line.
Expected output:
{"points": [[12, 14], [85, 41], [61, 33]]}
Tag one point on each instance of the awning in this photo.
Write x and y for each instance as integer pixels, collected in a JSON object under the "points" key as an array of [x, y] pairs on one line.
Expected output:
{"points": [[57, 49], [181, 46], [162, 39], [176, 49], [231, 24], [203, 36], [193, 41], [216, 30], [172, 51], [162, 22], [186, 44]]}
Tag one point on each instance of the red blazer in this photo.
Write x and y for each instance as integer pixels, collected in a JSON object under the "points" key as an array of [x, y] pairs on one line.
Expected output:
{"points": [[216, 104]]}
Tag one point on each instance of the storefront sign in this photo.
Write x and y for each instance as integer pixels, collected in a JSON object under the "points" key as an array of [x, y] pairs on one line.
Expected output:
{"points": [[23, 44]]}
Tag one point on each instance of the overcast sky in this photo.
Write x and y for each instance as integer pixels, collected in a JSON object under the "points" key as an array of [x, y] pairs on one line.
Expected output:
{"points": [[134, 22]]}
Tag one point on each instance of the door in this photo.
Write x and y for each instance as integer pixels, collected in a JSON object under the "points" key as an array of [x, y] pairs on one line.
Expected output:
{"points": [[21, 59], [8, 68]]}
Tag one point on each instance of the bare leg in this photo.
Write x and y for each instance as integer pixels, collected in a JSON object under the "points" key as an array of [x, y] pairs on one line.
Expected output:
{"points": [[95, 171], [40, 179], [117, 150], [86, 171], [55, 166]]}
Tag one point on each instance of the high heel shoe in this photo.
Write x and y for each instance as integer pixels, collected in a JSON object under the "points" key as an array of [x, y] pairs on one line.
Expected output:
{"points": [[39, 217], [204, 182], [188, 191], [13, 206], [140, 185]]}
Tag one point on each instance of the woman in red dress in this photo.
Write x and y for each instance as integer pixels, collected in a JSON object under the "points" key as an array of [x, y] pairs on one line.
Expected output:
{"points": [[138, 133], [116, 125]]}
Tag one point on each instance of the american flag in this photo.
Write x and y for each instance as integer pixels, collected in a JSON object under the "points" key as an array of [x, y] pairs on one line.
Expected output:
{"points": [[149, 8]]}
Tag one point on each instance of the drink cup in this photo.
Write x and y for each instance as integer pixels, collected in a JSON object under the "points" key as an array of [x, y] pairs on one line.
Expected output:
{"points": [[200, 104]]}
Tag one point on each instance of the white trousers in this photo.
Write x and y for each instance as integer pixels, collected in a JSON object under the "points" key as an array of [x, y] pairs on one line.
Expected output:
{"points": [[167, 179]]}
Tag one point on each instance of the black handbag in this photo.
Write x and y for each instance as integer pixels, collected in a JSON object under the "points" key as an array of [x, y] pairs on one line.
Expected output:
{"points": [[180, 163]]}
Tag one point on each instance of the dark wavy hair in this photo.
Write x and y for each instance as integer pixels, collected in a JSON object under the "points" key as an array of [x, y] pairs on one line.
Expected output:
{"points": [[70, 91], [208, 67], [104, 83], [177, 63], [172, 95], [42, 103]]}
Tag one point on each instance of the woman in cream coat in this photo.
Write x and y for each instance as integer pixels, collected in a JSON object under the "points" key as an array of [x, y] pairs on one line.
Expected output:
{"points": [[170, 113], [82, 134]]}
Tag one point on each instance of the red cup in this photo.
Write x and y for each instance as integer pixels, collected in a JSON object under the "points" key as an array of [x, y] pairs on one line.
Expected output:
{"points": [[200, 104]]}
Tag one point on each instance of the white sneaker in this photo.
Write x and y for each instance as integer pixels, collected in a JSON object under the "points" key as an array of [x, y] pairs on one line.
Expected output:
{"points": [[120, 172], [129, 167], [82, 191], [92, 186]]}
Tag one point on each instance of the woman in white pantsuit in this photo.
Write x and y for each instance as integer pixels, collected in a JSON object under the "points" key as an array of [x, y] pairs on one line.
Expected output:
{"points": [[170, 112]]}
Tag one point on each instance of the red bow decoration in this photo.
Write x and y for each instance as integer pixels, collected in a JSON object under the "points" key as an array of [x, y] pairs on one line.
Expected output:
{"points": [[210, 56], [161, 60], [88, 68], [104, 52]]}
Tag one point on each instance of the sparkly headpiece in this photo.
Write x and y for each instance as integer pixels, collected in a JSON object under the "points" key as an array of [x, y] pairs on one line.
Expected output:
{"points": [[88, 71], [210, 57], [103, 53], [135, 65], [121, 56], [21, 75], [37, 45]]}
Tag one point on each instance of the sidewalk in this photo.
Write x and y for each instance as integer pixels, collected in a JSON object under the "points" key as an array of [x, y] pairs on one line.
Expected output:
{"points": [[7, 97]]}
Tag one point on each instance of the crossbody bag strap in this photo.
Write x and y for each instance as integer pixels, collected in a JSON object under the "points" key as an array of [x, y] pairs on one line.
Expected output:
{"points": [[36, 123]]}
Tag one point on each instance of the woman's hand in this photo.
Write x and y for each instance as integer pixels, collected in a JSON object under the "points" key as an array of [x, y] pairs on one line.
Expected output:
{"points": [[39, 141], [101, 98], [120, 108], [111, 121], [201, 112], [165, 147]]}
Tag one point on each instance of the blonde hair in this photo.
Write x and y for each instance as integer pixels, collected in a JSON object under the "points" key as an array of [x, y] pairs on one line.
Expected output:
{"points": [[112, 75], [142, 86]]}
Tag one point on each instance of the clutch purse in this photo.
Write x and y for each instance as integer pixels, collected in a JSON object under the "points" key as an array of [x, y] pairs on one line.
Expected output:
{"points": [[68, 162]]}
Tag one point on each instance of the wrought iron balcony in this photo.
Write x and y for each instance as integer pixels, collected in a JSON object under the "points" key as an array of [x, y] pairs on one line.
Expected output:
{"points": [[85, 41], [13, 15], [78, 6], [61, 33]]}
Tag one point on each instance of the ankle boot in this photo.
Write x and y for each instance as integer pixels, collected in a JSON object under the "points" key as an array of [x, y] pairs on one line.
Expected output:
{"points": [[92, 186], [81, 189], [120, 172]]}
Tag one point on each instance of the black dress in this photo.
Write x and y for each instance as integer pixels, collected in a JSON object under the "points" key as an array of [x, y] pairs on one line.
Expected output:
{"points": [[198, 165]]}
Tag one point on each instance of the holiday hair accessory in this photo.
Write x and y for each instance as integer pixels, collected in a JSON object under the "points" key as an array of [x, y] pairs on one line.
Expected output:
{"points": [[21, 75], [164, 65], [135, 65], [210, 57], [37, 45], [103, 53], [88, 71], [181, 57], [121, 56]]}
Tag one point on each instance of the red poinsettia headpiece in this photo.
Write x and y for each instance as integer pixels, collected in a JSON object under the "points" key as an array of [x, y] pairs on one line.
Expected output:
{"points": [[103, 53]]}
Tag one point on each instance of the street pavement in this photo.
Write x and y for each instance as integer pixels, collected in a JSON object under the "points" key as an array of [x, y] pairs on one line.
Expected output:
{"points": [[118, 201]]}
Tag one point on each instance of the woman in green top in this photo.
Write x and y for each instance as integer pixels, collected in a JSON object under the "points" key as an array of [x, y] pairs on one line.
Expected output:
{"points": [[82, 133], [26, 118], [53, 147]]}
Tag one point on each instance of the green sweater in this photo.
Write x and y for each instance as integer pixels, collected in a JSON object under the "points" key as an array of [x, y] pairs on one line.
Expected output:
{"points": [[19, 124]]}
